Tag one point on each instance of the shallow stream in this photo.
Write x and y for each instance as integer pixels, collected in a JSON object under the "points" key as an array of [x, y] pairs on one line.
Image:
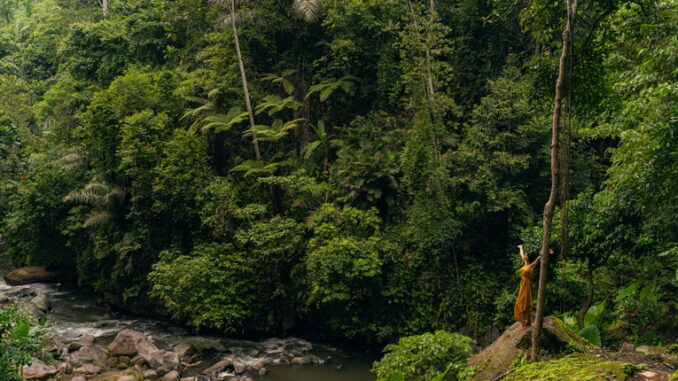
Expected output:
{"points": [[75, 315]]}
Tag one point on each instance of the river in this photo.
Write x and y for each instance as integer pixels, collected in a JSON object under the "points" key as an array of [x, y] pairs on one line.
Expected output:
{"points": [[75, 315]]}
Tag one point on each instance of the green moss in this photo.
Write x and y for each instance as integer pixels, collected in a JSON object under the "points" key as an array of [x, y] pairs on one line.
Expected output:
{"points": [[570, 337], [557, 338], [674, 376], [576, 367]]}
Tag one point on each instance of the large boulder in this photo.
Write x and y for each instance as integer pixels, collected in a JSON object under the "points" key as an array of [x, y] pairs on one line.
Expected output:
{"points": [[496, 359], [30, 274], [163, 361], [28, 307], [38, 370], [131, 343], [218, 368], [88, 355], [42, 302], [184, 350]]}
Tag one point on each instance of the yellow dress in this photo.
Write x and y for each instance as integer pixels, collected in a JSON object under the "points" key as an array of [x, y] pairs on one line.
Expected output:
{"points": [[523, 308]]}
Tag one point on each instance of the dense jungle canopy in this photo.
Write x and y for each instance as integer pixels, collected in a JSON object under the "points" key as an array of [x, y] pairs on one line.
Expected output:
{"points": [[355, 170]]}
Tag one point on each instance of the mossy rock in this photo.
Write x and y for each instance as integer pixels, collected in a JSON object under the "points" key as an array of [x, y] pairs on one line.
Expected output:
{"points": [[515, 342], [576, 367], [557, 338]]}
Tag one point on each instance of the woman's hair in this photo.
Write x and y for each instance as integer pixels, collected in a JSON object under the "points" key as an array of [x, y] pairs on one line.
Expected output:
{"points": [[532, 255]]}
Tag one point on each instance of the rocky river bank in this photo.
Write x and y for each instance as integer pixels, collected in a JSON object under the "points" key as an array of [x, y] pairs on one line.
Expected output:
{"points": [[89, 343]]}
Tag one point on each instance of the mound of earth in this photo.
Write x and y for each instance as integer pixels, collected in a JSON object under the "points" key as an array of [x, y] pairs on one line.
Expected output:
{"points": [[515, 342], [571, 358]]}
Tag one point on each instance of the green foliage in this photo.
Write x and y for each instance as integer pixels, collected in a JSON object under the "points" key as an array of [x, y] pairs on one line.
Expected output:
{"points": [[211, 287], [425, 357], [403, 155], [343, 254], [19, 341], [34, 227], [231, 287], [96, 52], [179, 178]]}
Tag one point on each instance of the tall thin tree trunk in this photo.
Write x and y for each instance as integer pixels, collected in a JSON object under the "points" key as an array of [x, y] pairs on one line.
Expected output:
{"points": [[301, 132], [550, 205], [104, 6], [430, 87], [243, 76]]}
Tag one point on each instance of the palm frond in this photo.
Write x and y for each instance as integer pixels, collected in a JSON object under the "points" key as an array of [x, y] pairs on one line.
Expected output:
{"points": [[71, 160], [308, 10], [96, 219]]}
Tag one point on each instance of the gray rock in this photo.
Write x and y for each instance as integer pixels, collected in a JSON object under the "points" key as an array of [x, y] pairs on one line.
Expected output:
{"points": [[263, 371], [4, 299], [38, 370], [23, 293], [300, 361], [53, 346], [139, 361], [126, 378], [163, 361], [627, 348], [217, 368], [239, 367], [64, 368], [131, 343], [88, 355], [150, 374], [256, 365], [189, 379], [87, 369], [42, 302], [184, 350], [30, 308], [85, 341], [171, 376], [78, 378]]}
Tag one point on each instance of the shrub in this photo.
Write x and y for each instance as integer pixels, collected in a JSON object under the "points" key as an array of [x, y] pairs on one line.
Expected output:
{"points": [[19, 341], [424, 357]]}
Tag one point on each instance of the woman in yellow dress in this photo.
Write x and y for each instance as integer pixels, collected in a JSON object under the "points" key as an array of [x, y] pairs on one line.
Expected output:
{"points": [[523, 309]]}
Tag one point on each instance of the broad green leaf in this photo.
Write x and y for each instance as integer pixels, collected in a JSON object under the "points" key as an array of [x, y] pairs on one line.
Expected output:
{"points": [[592, 334]]}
